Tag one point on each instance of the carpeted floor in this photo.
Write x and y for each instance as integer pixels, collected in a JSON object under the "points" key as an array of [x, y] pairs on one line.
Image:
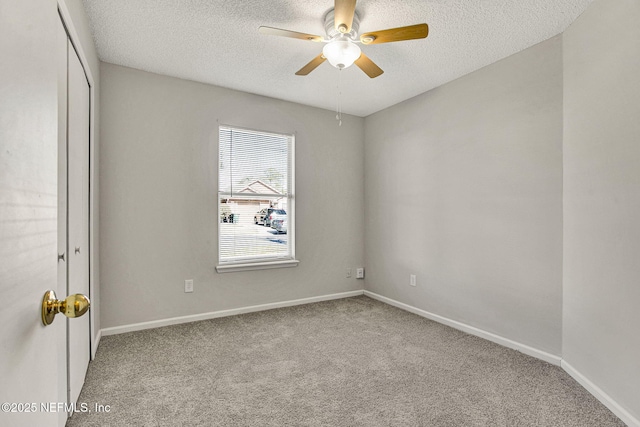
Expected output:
{"points": [[349, 362]]}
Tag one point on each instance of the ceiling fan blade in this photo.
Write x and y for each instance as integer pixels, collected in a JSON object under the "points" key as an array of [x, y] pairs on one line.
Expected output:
{"points": [[411, 32], [286, 33], [368, 66], [311, 65], [343, 14]]}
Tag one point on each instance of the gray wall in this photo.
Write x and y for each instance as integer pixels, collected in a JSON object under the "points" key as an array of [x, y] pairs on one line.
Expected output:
{"points": [[158, 201], [601, 312], [463, 187]]}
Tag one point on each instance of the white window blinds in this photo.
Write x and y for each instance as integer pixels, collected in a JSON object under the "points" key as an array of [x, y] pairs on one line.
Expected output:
{"points": [[255, 196]]}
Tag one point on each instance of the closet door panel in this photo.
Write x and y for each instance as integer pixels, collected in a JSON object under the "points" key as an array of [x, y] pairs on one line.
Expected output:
{"points": [[78, 216]]}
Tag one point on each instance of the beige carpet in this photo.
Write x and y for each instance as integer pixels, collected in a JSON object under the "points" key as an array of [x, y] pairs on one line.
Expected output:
{"points": [[350, 362]]}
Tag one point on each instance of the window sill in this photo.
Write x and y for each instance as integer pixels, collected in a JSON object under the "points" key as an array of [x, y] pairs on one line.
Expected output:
{"points": [[232, 268]]}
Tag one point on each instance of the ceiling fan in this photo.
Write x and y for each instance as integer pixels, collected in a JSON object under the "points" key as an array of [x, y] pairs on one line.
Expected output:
{"points": [[342, 50]]}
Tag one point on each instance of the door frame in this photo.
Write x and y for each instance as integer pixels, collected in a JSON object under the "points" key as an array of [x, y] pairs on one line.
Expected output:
{"points": [[65, 17], [68, 23]]}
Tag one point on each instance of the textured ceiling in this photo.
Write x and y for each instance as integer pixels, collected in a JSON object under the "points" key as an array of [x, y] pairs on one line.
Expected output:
{"points": [[217, 42]]}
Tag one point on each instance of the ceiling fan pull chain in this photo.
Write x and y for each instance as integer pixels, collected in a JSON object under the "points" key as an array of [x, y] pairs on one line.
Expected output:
{"points": [[339, 102]]}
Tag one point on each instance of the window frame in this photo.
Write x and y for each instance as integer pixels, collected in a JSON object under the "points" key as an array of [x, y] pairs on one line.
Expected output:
{"points": [[266, 262]]}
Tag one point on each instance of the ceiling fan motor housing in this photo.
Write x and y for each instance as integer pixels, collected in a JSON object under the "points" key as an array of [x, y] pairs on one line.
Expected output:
{"points": [[332, 32]]}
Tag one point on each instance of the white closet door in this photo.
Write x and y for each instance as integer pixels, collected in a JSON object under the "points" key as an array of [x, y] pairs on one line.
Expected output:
{"points": [[63, 249], [78, 216]]}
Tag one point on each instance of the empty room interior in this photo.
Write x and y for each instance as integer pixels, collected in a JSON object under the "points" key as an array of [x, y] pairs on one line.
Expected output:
{"points": [[434, 222]]}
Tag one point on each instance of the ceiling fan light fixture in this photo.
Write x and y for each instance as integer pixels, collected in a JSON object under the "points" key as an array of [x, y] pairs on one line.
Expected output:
{"points": [[341, 52]]}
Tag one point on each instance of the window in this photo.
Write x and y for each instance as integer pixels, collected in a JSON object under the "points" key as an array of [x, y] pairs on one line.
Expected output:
{"points": [[256, 209]]}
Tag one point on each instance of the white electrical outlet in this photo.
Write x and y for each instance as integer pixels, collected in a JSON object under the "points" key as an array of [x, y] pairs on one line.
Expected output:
{"points": [[360, 273], [348, 272], [412, 280], [188, 285]]}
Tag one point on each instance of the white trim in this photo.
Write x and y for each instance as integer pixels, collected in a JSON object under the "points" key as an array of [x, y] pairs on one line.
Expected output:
{"points": [[224, 313], [289, 195], [603, 397], [70, 27], [75, 39], [253, 131], [506, 342], [96, 341], [231, 268]]}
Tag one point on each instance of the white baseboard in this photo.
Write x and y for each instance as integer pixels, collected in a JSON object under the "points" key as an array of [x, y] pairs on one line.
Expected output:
{"points": [[523, 348], [223, 313], [596, 391], [603, 397], [95, 344]]}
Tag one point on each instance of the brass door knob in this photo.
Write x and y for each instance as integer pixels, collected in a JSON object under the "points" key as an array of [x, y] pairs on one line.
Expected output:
{"points": [[72, 306]]}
